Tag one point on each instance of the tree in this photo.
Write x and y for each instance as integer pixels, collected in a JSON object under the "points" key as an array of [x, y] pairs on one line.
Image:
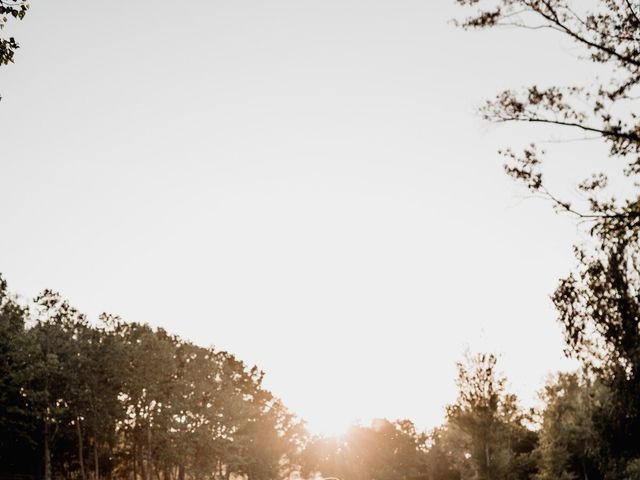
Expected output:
{"points": [[440, 459], [50, 387], [18, 441], [599, 303], [567, 448], [607, 32], [98, 367], [146, 394], [599, 307], [485, 424], [124, 400]]}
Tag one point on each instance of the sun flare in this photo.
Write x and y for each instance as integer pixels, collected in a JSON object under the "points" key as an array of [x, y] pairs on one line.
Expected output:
{"points": [[330, 425]]}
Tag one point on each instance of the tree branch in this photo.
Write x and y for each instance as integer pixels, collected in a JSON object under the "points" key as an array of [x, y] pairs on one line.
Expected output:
{"points": [[553, 18], [632, 11], [605, 133]]}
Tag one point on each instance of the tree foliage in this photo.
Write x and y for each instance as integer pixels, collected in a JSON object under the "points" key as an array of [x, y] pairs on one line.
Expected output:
{"points": [[567, 448], [599, 308], [598, 303], [10, 10], [124, 400], [384, 451], [608, 34], [486, 430]]}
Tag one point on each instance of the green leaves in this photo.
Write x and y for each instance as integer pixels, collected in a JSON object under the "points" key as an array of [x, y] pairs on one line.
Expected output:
{"points": [[568, 440], [484, 425], [598, 303], [124, 397]]}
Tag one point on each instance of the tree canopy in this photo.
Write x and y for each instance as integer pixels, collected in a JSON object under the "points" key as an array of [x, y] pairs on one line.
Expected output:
{"points": [[123, 399], [607, 33], [598, 303]]}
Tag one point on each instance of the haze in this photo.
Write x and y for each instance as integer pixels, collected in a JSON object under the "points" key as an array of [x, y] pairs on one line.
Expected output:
{"points": [[303, 183]]}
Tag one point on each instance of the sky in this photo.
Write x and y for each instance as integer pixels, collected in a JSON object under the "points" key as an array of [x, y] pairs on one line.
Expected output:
{"points": [[304, 183]]}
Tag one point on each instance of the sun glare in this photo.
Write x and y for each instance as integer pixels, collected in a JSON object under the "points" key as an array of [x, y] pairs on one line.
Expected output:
{"points": [[330, 425]]}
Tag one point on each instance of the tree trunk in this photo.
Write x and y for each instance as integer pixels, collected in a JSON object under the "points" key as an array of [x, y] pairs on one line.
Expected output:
{"points": [[181, 472], [487, 460], [135, 466], [47, 452], [584, 469], [83, 474], [110, 463], [96, 460], [143, 468], [96, 457], [149, 472]]}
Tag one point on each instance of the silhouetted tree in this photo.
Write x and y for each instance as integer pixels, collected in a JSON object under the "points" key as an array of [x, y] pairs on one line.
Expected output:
{"points": [[440, 459], [485, 426], [599, 303], [567, 447], [123, 400], [599, 307], [18, 430], [607, 32]]}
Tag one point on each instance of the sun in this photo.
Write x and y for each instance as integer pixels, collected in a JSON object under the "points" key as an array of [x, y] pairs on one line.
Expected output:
{"points": [[330, 424]]}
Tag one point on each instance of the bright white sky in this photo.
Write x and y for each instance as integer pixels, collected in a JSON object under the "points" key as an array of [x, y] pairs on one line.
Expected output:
{"points": [[304, 183]]}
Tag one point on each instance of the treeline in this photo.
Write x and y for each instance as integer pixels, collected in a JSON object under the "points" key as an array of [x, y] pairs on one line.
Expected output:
{"points": [[118, 400], [486, 436], [122, 400]]}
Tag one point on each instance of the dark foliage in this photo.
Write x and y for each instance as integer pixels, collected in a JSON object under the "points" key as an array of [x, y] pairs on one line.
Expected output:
{"points": [[599, 303], [122, 400]]}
